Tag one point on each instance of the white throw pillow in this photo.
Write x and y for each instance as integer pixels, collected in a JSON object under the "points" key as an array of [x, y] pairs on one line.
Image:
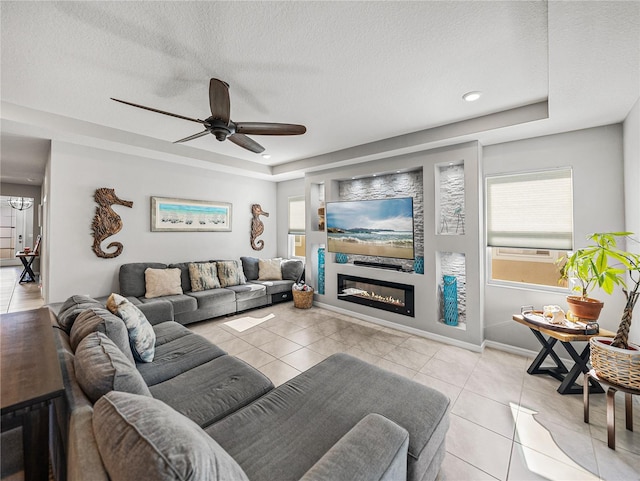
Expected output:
{"points": [[142, 337], [162, 282], [269, 269]]}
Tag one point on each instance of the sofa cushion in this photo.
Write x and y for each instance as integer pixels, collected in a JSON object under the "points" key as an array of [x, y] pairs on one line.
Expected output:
{"points": [[250, 267], [162, 282], [211, 297], [169, 331], [248, 291], [72, 307], [101, 320], [203, 276], [292, 269], [181, 303], [225, 384], [132, 279], [161, 443], [275, 287], [349, 389], [269, 269], [185, 279], [177, 356], [230, 273], [142, 337], [101, 367]]}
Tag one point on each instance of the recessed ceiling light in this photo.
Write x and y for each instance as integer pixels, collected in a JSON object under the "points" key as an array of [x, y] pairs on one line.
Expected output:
{"points": [[472, 96], [266, 156], [375, 175]]}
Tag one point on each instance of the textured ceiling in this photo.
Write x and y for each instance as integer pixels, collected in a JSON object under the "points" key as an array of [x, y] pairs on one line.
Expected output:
{"points": [[353, 72]]}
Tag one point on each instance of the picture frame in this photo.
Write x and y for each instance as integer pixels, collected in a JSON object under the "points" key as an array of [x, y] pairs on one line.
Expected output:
{"points": [[186, 215]]}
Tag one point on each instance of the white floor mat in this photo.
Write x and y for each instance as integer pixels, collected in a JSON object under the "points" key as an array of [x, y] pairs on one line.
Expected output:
{"points": [[245, 323]]}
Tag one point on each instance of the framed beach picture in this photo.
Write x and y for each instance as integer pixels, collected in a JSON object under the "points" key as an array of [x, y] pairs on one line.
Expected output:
{"points": [[183, 215]]}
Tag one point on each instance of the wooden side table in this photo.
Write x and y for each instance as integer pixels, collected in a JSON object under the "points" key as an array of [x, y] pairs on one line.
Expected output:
{"points": [[560, 371], [31, 379], [611, 405]]}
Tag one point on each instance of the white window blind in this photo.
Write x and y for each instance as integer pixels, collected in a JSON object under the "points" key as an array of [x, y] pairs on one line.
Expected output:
{"points": [[296, 215], [531, 210]]}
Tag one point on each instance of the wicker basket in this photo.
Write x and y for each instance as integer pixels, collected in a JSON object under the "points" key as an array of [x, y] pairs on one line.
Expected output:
{"points": [[618, 366], [302, 299]]}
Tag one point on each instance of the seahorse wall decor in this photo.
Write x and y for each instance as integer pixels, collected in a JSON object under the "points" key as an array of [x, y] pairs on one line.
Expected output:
{"points": [[257, 227], [106, 222]]}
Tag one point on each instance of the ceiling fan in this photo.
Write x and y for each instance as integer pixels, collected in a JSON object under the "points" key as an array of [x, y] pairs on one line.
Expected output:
{"points": [[222, 127]]}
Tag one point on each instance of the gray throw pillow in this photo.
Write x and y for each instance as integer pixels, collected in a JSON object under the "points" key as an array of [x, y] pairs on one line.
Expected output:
{"points": [[203, 276], [102, 367], [250, 266], [292, 269], [230, 273], [100, 320], [142, 337], [72, 307], [157, 443]]}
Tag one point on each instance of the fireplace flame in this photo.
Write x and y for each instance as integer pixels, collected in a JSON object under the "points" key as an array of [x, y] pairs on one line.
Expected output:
{"points": [[372, 295]]}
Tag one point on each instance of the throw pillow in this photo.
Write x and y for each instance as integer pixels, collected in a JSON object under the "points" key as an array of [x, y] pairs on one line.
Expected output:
{"points": [[101, 320], [292, 269], [161, 443], [142, 337], [72, 307], [203, 276], [162, 282], [230, 273], [250, 267], [101, 367], [270, 270]]}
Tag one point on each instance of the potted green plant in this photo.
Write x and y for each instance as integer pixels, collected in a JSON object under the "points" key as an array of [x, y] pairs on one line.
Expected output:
{"points": [[604, 265]]}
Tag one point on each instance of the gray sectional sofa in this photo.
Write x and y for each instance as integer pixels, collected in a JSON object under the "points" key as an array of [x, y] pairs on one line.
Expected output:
{"points": [[190, 306], [196, 413]]}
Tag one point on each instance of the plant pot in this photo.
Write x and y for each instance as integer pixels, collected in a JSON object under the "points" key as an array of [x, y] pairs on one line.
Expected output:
{"points": [[585, 308], [618, 366]]}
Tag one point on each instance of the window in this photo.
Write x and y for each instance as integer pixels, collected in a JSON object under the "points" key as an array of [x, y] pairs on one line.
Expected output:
{"points": [[296, 243], [529, 225]]}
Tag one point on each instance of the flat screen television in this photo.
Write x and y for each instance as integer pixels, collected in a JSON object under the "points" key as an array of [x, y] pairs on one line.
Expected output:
{"points": [[380, 228]]}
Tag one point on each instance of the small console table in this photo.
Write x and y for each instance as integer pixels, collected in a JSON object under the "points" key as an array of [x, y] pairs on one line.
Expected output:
{"points": [[611, 405], [31, 380], [560, 372]]}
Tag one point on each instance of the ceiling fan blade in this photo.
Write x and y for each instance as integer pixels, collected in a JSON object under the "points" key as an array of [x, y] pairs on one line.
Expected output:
{"points": [[269, 128], [191, 137], [219, 100], [246, 142], [159, 111]]}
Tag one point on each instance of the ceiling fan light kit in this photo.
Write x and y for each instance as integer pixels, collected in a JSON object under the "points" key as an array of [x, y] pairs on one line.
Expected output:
{"points": [[222, 127]]}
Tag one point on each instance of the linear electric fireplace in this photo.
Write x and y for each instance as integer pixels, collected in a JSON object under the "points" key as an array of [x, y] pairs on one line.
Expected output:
{"points": [[389, 296]]}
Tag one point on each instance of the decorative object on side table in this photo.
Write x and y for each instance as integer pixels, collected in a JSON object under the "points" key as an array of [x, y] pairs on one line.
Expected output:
{"points": [[184, 215], [257, 227], [302, 295], [106, 222], [605, 265]]}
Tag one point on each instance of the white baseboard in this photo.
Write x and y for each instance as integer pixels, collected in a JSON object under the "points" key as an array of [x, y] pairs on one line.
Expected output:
{"points": [[399, 327]]}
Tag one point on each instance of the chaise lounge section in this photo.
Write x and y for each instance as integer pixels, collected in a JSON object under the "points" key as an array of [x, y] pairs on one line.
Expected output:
{"points": [[194, 412]]}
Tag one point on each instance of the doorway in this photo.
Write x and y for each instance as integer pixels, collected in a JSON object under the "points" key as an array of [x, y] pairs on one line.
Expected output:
{"points": [[16, 227]]}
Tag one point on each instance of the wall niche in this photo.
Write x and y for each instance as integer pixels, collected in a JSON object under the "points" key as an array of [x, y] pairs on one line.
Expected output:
{"points": [[402, 184]]}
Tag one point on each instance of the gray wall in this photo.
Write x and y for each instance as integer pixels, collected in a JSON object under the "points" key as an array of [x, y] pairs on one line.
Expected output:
{"points": [[631, 129], [595, 155], [76, 172]]}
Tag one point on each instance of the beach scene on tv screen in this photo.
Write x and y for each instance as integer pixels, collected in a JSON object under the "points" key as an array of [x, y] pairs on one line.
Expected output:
{"points": [[381, 228]]}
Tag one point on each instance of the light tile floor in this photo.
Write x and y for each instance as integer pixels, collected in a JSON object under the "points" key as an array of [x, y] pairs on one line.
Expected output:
{"points": [[15, 296], [505, 423]]}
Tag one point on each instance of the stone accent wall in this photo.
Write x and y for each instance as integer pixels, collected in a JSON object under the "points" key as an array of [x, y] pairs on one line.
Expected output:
{"points": [[405, 184], [451, 215]]}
